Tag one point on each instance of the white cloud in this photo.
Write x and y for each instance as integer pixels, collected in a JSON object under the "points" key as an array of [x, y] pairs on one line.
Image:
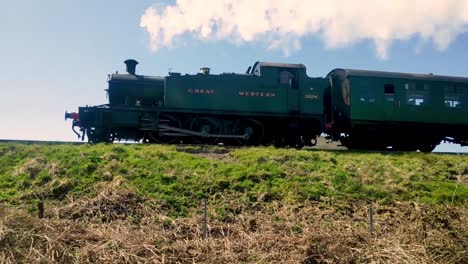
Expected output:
{"points": [[281, 24]]}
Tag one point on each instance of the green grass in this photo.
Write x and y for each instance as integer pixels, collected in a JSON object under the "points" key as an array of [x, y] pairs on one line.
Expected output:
{"points": [[180, 176]]}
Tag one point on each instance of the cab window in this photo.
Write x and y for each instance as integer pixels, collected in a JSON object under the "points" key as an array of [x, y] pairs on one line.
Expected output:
{"points": [[256, 70], [289, 78], [285, 77]]}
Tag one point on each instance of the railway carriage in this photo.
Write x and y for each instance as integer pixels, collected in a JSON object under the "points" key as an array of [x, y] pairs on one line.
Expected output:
{"points": [[377, 110]]}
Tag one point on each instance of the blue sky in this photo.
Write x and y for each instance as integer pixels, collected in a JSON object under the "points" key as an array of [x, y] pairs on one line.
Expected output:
{"points": [[56, 56]]}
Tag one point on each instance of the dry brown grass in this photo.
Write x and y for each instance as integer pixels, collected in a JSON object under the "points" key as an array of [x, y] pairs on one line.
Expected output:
{"points": [[121, 227], [31, 167]]}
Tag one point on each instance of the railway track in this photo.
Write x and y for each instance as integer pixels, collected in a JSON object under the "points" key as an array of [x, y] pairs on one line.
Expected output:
{"points": [[321, 145], [40, 142]]}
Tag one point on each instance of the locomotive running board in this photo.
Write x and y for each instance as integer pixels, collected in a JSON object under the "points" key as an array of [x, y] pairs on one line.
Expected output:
{"points": [[200, 134]]}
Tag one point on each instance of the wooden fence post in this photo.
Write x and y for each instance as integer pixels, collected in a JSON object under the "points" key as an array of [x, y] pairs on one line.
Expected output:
{"points": [[40, 207], [371, 220], [205, 228]]}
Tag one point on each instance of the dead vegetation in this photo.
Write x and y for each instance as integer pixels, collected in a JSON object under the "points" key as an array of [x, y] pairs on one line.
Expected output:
{"points": [[119, 226], [144, 204], [31, 167]]}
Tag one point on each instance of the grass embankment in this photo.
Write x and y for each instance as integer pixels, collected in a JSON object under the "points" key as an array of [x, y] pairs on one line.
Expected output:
{"points": [[130, 203]]}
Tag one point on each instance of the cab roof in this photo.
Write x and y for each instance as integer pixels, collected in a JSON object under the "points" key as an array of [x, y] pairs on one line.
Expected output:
{"points": [[281, 65]]}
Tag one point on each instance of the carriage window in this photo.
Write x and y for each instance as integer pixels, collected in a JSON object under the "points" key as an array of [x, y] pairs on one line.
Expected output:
{"points": [[452, 96], [417, 95], [367, 94], [464, 98], [389, 92], [452, 101]]}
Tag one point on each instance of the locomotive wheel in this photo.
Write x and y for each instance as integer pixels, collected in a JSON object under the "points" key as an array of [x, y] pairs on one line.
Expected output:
{"points": [[250, 127], [157, 137], [206, 125]]}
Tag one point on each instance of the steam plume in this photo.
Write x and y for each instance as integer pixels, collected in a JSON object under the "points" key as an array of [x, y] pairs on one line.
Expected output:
{"points": [[281, 24]]}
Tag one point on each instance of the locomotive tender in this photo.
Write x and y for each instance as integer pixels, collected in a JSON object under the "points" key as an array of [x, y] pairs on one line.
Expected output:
{"points": [[277, 103]]}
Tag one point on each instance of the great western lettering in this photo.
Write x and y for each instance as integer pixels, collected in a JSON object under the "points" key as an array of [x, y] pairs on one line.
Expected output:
{"points": [[257, 94], [200, 91]]}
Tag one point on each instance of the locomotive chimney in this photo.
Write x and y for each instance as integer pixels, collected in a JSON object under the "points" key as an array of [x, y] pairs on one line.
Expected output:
{"points": [[205, 70], [131, 66]]}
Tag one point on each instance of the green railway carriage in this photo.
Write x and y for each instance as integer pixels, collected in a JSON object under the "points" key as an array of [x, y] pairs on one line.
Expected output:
{"points": [[405, 111]]}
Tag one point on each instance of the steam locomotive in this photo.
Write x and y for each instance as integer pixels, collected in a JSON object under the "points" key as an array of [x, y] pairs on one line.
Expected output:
{"points": [[278, 104]]}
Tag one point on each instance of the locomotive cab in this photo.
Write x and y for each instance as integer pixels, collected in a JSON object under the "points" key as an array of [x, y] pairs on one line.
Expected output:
{"points": [[290, 78]]}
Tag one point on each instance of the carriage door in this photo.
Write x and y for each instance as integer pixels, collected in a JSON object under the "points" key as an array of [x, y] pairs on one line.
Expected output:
{"points": [[393, 98], [290, 80]]}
